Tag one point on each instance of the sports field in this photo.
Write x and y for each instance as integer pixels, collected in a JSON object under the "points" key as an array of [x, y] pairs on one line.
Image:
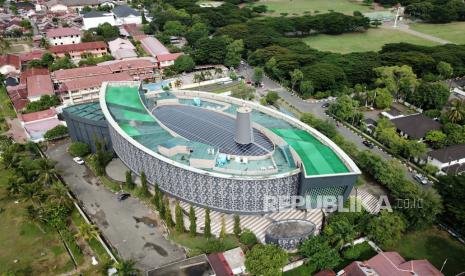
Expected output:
{"points": [[276, 7], [371, 40], [453, 32]]}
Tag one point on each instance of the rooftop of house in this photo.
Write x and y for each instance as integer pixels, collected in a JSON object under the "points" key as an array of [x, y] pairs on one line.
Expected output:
{"points": [[133, 29], [62, 32], [80, 72], [117, 66], [95, 14], [10, 59], [84, 46], [168, 57], [448, 154], [71, 3], [154, 46], [39, 85], [39, 115], [120, 43], [32, 72], [125, 11], [95, 81], [34, 54], [416, 126]]}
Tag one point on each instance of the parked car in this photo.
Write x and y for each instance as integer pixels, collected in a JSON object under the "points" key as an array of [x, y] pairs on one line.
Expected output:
{"points": [[368, 144], [123, 196], [78, 160], [421, 179], [325, 105]]}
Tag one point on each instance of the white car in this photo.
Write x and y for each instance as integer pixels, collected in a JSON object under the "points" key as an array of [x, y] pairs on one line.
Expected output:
{"points": [[78, 160]]}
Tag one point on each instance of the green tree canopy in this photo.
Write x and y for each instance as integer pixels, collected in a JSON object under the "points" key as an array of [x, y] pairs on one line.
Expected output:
{"points": [[265, 260]]}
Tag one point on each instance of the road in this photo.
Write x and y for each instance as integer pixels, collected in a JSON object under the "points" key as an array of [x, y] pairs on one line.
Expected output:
{"points": [[130, 226], [316, 109]]}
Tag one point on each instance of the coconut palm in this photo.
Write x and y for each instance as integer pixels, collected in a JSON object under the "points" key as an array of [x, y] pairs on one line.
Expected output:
{"points": [[45, 171], [32, 192], [15, 185], [59, 194], [87, 231], [457, 111], [126, 268], [36, 216]]}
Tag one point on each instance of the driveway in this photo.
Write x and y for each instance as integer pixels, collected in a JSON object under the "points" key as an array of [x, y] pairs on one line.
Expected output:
{"points": [[130, 226], [316, 109]]}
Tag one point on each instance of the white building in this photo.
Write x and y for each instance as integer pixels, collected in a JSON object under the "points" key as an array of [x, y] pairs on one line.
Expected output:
{"points": [[126, 15], [94, 18], [122, 49], [63, 36]]}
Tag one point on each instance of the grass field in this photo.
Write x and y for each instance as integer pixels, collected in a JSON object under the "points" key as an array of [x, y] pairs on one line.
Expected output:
{"points": [[291, 7], [36, 252], [371, 40], [453, 32], [435, 246]]}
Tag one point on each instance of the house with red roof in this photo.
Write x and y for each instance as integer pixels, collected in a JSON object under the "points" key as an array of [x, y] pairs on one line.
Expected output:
{"points": [[76, 51], [63, 75], [388, 264], [229, 263], [156, 49], [10, 64], [37, 123], [139, 68], [27, 57], [63, 36], [38, 86]]}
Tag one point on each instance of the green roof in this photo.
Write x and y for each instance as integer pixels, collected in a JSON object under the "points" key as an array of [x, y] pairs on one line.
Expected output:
{"points": [[89, 111], [317, 158]]}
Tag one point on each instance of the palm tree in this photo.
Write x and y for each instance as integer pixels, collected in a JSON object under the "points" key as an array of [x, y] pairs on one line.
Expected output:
{"points": [[15, 185], [45, 171], [32, 192], [87, 231], [36, 216], [218, 71], [457, 112], [126, 268], [59, 194]]}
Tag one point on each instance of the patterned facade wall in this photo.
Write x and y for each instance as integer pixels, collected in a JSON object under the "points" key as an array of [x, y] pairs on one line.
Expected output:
{"points": [[217, 193]]}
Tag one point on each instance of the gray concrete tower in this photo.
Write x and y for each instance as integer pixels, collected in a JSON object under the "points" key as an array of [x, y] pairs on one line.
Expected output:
{"points": [[244, 131]]}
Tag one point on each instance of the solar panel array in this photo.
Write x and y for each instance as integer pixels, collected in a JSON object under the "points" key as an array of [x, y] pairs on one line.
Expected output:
{"points": [[211, 128]]}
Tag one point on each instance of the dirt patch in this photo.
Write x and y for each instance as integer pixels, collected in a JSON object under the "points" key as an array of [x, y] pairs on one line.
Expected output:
{"points": [[158, 249], [150, 222]]}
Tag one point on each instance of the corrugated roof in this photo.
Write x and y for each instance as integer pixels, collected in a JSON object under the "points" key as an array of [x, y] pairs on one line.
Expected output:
{"points": [[39, 85], [39, 115], [81, 72], [416, 126], [95, 81], [153, 46], [85, 46], [62, 32]]}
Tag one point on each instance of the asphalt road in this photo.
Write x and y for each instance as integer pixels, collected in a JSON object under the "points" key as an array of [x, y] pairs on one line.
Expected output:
{"points": [[316, 109], [129, 226]]}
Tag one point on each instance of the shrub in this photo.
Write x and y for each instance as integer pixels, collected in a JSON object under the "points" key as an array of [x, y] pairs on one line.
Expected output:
{"points": [[79, 149], [213, 245], [56, 132], [248, 238]]}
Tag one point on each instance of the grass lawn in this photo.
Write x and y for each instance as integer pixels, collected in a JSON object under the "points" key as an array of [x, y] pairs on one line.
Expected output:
{"points": [[275, 7], [371, 40], [199, 244], [453, 32], [37, 253], [434, 245]]}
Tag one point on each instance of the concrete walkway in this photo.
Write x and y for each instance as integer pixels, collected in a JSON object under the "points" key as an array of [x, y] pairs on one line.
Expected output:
{"points": [[16, 130], [406, 29]]}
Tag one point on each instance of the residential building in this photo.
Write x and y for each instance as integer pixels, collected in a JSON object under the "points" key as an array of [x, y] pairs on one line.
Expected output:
{"points": [[56, 6], [87, 89], [388, 264], [19, 93], [122, 49], [71, 5], [64, 36], [93, 19], [231, 262], [10, 64], [38, 123], [76, 51], [27, 57], [155, 48], [450, 160], [126, 15], [63, 75], [131, 30], [167, 60], [138, 68], [415, 126], [38, 86]]}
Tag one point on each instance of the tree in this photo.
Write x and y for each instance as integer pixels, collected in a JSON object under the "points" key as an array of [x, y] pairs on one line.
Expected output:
{"points": [[346, 109], [243, 91], [456, 113], [386, 228], [168, 217], [453, 188], [258, 74], [79, 149], [87, 231], [126, 268], [129, 182], [248, 238], [296, 77], [193, 222], [62, 63], [383, 98], [144, 20], [413, 149], [174, 28], [179, 218], [237, 225], [223, 228], [45, 171], [340, 232], [271, 97], [445, 70], [144, 189], [107, 31], [376, 23], [56, 132], [400, 81], [436, 138], [233, 53], [207, 228], [265, 260], [430, 95], [320, 253], [306, 88], [184, 63]]}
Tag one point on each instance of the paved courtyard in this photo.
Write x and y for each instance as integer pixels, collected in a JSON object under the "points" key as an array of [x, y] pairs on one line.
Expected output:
{"points": [[130, 226]]}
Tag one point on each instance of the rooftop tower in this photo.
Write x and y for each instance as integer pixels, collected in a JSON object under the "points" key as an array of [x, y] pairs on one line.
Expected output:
{"points": [[244, 132]]}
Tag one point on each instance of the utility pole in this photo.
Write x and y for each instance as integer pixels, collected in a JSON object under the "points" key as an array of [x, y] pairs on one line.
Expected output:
{"points": [[397, 16]]}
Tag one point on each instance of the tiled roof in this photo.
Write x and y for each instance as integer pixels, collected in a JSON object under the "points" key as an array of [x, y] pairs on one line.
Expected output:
{"points": [[416, 126], [39, 85], [130, 64], [391, 263], [125, 11], [168, 57], [10, 59], [448, 154], [85, 46], [132, 29], [90, 82], [39, 115], [153, 46], [95, 14], [32, 72], [36, 54], [62, 32], [81, 72]]}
